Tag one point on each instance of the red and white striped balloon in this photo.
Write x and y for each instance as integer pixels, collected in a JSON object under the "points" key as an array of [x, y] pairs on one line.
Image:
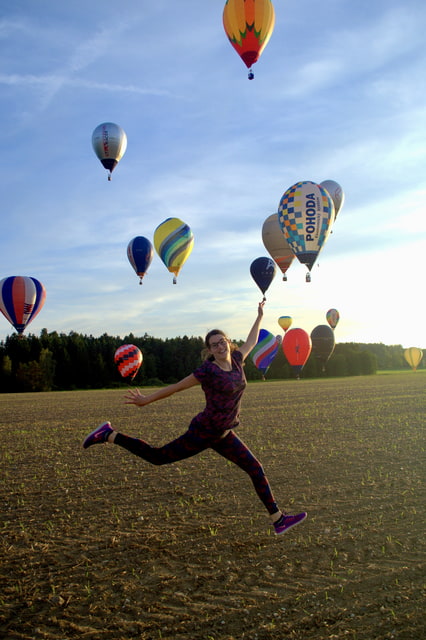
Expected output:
{"points": [[128, 359]]}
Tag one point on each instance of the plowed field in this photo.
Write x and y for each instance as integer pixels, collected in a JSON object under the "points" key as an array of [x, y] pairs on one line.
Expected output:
{"points": [[100, 545]]}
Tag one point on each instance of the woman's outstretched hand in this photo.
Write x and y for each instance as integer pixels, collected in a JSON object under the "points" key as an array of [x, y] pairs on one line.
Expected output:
{"points": [[260, 309], [134, 396]]}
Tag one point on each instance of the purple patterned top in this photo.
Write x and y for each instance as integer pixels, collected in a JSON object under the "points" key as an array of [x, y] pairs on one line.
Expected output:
{"points": [[223, 391]]}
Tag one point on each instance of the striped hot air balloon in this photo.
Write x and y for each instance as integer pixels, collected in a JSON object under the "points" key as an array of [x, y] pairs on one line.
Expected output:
{"points": [[173, 241], [413, 356], [128, 359], [265, 351], [21, 299]]}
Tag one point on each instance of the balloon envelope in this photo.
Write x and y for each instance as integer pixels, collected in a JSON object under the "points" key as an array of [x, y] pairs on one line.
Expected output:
{"points": [[306, 214], [263, 271], [128, 359], [336, 193], [322, 338], [249, 25], [276, 243], [109, 142], [332, 317], [140, 253], [173, 241], [21, 299], [413, 356], [285, 322], [265, 350], [297, 348]]}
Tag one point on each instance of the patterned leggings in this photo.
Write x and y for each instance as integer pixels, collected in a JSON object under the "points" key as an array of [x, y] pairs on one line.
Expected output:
{"points": [[191, 443]]}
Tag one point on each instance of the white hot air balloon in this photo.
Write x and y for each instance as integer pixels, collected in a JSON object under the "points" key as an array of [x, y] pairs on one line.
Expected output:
{"points": [[109, 142], [336, 193]]}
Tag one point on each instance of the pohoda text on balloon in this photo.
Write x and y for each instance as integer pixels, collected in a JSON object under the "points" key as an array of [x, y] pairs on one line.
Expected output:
{"points": [[312, 205]]}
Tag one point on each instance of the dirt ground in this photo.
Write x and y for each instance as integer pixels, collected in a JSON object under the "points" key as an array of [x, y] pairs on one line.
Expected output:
{"points": [[99, 545]]}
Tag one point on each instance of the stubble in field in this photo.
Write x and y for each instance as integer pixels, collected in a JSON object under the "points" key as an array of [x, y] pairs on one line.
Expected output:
{"points": [[98, 544]]}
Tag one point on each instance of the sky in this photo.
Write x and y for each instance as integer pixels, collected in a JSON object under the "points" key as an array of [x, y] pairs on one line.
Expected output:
{"points": [[339, 94]]}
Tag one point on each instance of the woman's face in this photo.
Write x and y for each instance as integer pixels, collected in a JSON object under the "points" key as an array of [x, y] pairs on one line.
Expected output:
{"points": [[219, 346]]}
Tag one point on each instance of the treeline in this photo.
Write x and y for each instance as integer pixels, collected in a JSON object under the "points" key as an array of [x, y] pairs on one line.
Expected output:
{"points": [[55, 361]]}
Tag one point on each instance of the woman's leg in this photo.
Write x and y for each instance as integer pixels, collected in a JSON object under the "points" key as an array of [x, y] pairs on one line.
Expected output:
{"points": [[233, 449], [185, 446]]}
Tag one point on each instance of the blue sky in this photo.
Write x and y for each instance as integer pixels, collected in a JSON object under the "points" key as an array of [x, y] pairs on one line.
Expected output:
{"points": [[339, 93]]}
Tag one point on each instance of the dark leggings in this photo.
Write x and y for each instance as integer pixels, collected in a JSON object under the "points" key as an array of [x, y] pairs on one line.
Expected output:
{"points": [[191, 443]]}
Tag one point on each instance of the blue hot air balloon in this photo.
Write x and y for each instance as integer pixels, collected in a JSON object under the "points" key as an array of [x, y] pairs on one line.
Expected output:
{"points": [[265, 351], [263, 271], [21, 299], [140, 253]]}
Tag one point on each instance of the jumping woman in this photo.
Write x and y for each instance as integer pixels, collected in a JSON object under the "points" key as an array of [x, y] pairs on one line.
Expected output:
{"points": [[223, 381]]}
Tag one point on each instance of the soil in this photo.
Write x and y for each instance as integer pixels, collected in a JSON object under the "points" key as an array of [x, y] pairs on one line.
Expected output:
{"points": [[99, 545]]}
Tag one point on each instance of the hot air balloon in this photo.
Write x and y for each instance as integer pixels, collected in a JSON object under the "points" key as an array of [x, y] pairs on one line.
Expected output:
{"points": [[413, 356], [276, 244], [128, 359], [21, 299], [249, 25], [263, 271], [306, 214], [109, 142], [173, 241], [265, 351], [297, 348], [332, 317], [285, 322], [140, 253], [336, 193], [322, 338]]}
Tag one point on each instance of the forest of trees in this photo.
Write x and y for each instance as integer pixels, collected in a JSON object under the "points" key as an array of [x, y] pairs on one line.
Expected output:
{"points": [[55, 361]]}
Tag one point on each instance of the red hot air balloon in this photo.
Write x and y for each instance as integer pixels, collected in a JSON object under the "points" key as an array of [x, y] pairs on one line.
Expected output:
{"points": [[297, 347], [128, 359], [21, 299]]}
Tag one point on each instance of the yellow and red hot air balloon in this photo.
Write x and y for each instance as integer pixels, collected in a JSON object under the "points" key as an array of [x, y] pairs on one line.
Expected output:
{"points": [[249, 25]]}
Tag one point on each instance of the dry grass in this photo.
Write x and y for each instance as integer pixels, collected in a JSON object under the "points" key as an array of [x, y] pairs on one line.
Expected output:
{"points": [[99, 545]]}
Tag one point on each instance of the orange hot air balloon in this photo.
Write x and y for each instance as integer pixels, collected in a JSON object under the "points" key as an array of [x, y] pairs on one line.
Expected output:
{"points": [[249, 25]]}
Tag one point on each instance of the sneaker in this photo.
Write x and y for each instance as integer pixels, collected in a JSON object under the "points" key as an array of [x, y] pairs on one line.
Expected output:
{"points": [[99, 435], [286, 522]]}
